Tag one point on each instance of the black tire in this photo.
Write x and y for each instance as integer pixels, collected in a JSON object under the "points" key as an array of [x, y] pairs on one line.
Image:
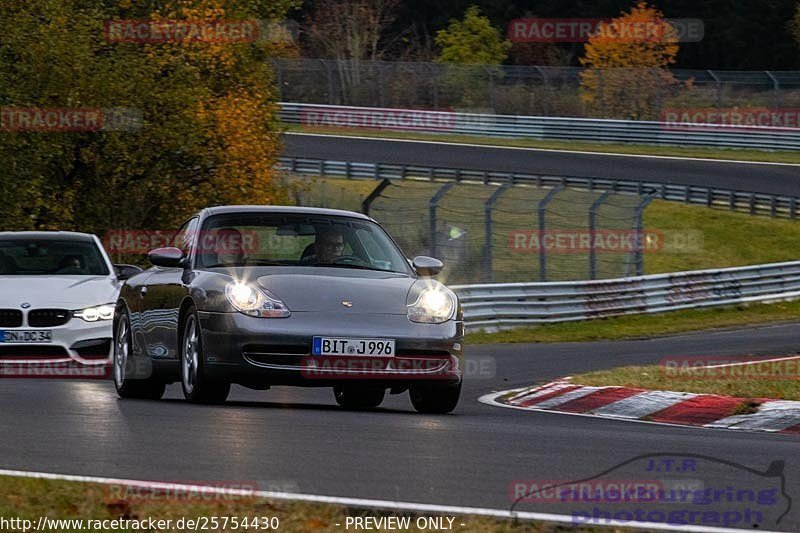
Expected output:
{"points": [[351, 397], [125, 367], [197, 386], [433, 399]]}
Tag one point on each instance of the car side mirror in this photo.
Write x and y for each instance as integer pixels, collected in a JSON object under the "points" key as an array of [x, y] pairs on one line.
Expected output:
{"points": [[427, 266], [167, 257], [126, 271]]}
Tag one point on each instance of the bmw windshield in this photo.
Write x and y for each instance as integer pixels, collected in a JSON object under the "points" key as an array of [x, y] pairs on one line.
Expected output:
{"points": [[50, 257]]}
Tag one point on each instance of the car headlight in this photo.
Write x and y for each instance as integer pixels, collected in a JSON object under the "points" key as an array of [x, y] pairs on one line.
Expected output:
{"points": [[255, 301], [432, 302], [98, 312]]}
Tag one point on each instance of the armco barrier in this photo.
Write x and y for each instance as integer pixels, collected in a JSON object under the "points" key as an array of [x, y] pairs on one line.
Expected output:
{"points": [[499, 306], [544, 128], [749, 202]]}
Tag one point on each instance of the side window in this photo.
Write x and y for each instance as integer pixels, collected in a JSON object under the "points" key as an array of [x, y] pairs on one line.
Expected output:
{"points": [[185, 236]]}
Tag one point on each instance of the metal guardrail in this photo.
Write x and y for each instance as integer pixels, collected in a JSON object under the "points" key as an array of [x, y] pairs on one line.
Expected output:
{"points": [[518, 89], [543, 128], [749, 202], [499, 306]]}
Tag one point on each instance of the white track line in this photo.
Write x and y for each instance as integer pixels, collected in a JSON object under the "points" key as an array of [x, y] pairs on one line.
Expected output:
{"points": [[579, 152], [750, 362], [363, 503]]}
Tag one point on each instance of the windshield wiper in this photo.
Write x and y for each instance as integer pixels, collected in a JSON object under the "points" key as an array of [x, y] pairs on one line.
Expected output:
{"points": [[255, 262], [356, 267]]}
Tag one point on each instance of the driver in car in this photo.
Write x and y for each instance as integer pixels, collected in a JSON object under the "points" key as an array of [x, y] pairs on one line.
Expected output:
{"points": [[70, 263], [229, 245], [328, 246]]}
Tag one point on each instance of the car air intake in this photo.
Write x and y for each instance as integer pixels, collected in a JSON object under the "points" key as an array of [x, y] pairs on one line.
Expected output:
{"points": [[93, 349], [10, 318], [275, 354], [47, 318], [33, 352]]}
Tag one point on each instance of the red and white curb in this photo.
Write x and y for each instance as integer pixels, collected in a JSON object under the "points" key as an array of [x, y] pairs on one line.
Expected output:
{"points": [[664, 407]]}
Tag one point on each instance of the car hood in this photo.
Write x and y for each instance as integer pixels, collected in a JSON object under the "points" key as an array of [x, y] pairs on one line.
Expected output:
{"points": [[368, 292], [67, 292]]}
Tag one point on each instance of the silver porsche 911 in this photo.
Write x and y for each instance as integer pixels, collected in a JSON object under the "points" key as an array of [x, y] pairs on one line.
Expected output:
{"points": [[263, 296]]}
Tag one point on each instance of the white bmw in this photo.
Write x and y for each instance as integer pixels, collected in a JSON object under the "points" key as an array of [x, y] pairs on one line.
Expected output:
{"points": [[57, 295]]}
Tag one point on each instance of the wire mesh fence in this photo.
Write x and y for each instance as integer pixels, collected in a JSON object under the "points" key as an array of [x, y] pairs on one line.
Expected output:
{"points": [[521, 90], [496, 232]]}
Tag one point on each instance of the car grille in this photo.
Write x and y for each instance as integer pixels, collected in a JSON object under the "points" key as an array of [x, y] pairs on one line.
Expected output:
{"points": [[47, 318], [10, 318], [33, 352]]}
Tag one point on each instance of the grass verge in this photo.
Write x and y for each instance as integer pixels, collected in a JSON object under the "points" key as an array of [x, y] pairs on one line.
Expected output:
{"points": [[786, 156], [644, 326], [29, 499], [720, 238], [656, 377]]}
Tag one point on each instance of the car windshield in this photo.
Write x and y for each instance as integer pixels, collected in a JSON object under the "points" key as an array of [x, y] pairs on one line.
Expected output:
{"points": [[257, 239], [50, 257]]}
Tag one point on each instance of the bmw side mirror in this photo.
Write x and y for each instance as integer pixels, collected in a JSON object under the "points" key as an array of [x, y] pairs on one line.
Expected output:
{"points": [[427, 266], [167, 257], [126, 271]]}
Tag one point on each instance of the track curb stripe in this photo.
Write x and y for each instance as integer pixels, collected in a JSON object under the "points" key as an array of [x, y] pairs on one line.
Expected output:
{"points": [[662, 407]]}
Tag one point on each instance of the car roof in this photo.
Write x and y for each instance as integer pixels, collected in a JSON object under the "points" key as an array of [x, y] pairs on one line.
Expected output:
{"points": [[285, 209], [47, 235]]}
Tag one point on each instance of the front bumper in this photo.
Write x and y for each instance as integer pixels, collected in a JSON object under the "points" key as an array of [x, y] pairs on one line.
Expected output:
{"points": [[262, 351], [77, 341]]}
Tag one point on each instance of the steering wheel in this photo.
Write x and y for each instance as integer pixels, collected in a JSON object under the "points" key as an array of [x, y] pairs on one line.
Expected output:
{"points": [[349, 260], [66, 271]]}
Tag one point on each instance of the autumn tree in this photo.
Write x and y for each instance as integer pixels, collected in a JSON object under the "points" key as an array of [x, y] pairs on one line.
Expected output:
{"points": [[350, 32], [627, 62], [794, 25], [207, 131], [472, 40], [469, 49]]}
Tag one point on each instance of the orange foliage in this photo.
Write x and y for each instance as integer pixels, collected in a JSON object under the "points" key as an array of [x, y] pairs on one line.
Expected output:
{"points": [[627, 61]]}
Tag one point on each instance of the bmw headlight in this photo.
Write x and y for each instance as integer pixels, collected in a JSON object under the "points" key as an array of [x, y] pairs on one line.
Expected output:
{"points": [[430, 302], [254, 301], [98, 312]]}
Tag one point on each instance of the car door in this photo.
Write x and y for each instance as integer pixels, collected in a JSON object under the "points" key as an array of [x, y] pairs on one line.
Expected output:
{"points": [[161, 298]]}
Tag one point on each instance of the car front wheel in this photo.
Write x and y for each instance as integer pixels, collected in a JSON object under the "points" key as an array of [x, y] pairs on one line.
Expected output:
{"points": [[435, 399], [126, 379], [197, 386]]}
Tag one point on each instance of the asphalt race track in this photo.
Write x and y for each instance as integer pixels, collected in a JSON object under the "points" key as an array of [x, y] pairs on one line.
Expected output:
{"points": [[764, 178], [298, 440]]}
